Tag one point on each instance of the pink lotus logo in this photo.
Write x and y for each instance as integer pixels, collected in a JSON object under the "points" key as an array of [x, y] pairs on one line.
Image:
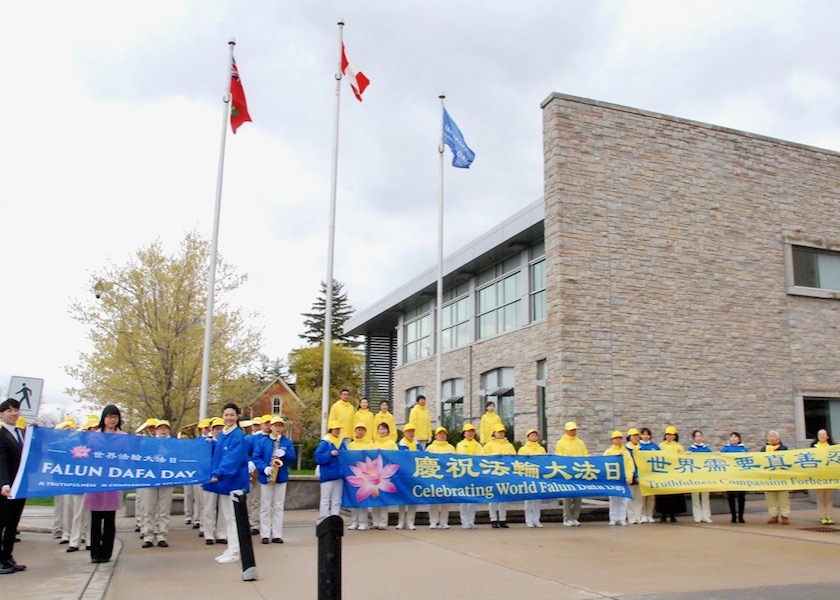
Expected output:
{"points": [[80, 452], [371, 477]]}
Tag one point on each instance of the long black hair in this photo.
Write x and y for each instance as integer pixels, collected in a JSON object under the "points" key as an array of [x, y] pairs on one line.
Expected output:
{"points": [[110, 410]]}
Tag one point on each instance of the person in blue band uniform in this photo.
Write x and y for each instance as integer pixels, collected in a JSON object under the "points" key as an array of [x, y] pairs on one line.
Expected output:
{"points": [[229, 473], [646, 444], [701, 508], [329, 470], [272, 456]]}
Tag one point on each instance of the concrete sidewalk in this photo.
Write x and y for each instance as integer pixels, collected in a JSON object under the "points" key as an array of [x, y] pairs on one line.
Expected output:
{"points": [[657, 561]]}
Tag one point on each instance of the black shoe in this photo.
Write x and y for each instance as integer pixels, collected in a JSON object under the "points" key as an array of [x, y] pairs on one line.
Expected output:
{"points": [[503, 524], [494, 524], [6, 569], [137, 529], [196, 525], [664, 518], [72, 549], [11, 562], [201, 534], [163, 544], [209, 542], [62, 542], [673, 519], [95, 560], [734, 520], [276, 540], [87, 548], [147, 544], [741, 520], [265, 540], [255, 531], [221, 541]]}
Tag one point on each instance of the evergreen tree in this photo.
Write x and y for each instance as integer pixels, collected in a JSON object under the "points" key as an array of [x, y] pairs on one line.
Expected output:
{"points": [[341, 311]]}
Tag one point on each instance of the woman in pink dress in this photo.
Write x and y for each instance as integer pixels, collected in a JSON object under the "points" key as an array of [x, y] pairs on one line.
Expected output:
{"points": [[104, 505]]}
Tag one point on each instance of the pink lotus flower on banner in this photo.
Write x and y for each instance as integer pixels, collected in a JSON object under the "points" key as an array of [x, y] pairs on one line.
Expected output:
{"points": [[80, 452], [371, 477]]}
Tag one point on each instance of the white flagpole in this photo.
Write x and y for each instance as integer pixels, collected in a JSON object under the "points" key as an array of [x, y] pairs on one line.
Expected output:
{"points": [[325, 381], [439, 315], [214, 243]]}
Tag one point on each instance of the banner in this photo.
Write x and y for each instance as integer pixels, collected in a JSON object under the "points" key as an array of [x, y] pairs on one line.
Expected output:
{"points": [[57, 462], [393, 478], [670, 473]]}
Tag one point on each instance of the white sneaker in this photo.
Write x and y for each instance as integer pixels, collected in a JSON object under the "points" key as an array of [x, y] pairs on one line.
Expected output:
{"points": [[577, 523], [538, 524], [623, 523], [444, 526], [353, 526], [230, 558], [569, 523], [433, 525], [708, 521], [411, 527], [632, 521], [529, 524], [362, 526], [400, 526], [613, 523]]}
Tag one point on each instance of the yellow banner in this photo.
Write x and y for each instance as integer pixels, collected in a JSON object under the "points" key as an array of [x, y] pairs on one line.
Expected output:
{"points": [[671, 473]]}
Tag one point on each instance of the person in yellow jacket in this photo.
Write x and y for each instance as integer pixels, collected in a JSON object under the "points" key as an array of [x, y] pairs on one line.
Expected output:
{"points": [[383, 441], [669, 505], [343, 412], [635, 504], [825, 498], [439, 513], [571, 445], [407, 444], [532, 447], [422, 420], [358, 516], [468, 445], [489, 420], [363, 415], [384, 416], [618, 506], [498, 444]]}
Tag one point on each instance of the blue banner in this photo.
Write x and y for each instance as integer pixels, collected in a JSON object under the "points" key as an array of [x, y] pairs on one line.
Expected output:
{"points": [[57, 462], [393, 478]]}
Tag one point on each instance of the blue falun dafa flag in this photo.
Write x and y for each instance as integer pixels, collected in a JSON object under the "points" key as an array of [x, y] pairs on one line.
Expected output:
{"points": [[462, 156]]}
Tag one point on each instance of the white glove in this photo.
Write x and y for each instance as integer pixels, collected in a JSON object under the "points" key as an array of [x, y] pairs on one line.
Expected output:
{"points": [[251, 466], [267, 471], [279, 453]]}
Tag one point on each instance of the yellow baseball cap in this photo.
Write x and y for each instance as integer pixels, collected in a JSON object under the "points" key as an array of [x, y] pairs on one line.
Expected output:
{"points": [[616, 434], [530, 431], [265, 419], [671, 429], [217, 422], [468, 427], [408, 426], [633, 431], [570, 425], [498, 427], [334, 425], [438, 430], [162, 423], [278, 419]]}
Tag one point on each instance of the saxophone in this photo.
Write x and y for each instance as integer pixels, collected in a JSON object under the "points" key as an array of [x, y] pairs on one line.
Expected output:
{"points": [[276, 463]]}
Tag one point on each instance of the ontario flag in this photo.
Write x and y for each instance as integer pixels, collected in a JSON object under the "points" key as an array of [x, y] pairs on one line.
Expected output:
{"points": [[238, 103], [358, 80]]}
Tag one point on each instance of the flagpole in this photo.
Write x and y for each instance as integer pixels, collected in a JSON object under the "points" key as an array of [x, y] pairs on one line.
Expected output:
{"points": [[325, 381], [439, 315], [214, 243]]}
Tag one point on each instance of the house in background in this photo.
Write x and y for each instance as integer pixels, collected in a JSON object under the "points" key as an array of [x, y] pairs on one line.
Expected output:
{"points": [[277, 398]]}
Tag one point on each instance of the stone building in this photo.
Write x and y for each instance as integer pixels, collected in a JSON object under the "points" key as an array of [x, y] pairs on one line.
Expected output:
{"points": [[674, 273]]}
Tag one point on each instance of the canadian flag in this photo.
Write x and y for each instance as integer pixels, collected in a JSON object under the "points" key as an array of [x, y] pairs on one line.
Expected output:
{"points": [[358, 80]]}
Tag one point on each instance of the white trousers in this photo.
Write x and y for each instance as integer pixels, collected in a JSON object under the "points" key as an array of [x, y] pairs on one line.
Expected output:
{"points": [[532, 511], [635, 505], [379, 516], [498, 511], [438, 514], [189, 502], [701, 508], [255, 506], [58, 507], [618, 509], [213, 522], [80, 521], [467, 510], [331, 497], [406, 516], [157, 505], [66, 518], [198, 503], [272, 504], [226, 504]]}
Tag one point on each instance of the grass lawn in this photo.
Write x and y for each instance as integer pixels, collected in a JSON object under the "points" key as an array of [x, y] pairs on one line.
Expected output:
{"points": [[39, 501]]}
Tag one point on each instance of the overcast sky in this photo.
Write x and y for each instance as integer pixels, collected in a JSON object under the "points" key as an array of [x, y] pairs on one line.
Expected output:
{"points": [[111, 121]]}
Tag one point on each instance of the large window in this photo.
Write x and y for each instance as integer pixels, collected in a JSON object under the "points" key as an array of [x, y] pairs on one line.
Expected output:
{"points": [[499, 304], [452, 409], [816, 268], [411, 398], [497, 385], [276, 405], [821, 413], [417, 338], [537, 278], [455, 317]]}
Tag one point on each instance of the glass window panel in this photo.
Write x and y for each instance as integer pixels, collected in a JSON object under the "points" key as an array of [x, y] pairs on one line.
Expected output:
{"points": [[538, 250], [829, 271]]}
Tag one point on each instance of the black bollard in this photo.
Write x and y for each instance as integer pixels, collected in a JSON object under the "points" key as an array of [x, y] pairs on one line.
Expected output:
{"points": [[329, 532]]}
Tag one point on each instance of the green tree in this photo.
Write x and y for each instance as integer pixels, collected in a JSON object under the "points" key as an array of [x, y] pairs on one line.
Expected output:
{"points": [[341, 311], [307, 366], [146, 328]]}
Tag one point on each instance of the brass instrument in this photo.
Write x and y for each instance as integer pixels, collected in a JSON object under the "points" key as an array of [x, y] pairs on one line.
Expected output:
{"points": [[276, 463]]}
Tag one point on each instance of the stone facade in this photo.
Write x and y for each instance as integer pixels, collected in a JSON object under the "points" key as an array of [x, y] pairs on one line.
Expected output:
{"points": [[667, 296]]}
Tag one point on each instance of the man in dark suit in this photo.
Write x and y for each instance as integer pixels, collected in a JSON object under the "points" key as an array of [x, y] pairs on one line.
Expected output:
{"points": [[11, 446]]}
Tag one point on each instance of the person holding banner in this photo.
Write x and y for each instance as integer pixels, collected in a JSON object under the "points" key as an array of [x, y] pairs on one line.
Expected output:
{"points": [[229, 468], [439, 513], [499, 444], [407, 444], [618, 506], [383, 441], [669, 505], [11, 447], [825, 497], [532, 447], [468, 445], [634, 505], [358, 516], [736, 499], [778, 503], [571, 445], [213, 523], [104, 505], [701, 508], [157, 503], [329, 470], [648, 502]]}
